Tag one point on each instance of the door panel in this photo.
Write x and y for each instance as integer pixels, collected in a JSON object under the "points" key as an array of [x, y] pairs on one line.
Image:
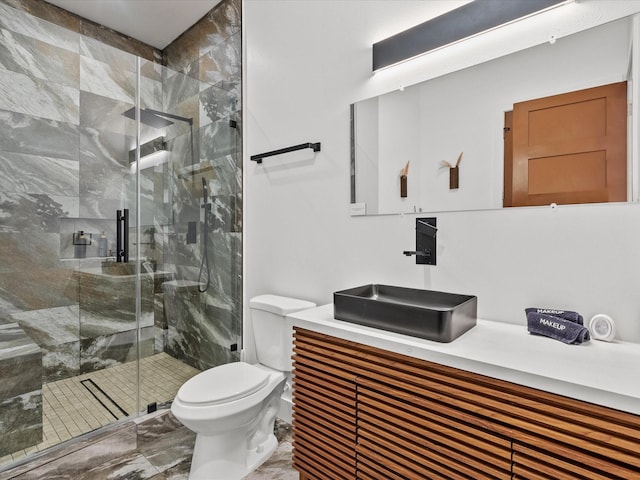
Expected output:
{"points": [[557, 124], [569, 173], [570, 148]]}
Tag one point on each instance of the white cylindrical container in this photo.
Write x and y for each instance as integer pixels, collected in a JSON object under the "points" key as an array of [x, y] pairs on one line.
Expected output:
{"points": [[602, 327]]}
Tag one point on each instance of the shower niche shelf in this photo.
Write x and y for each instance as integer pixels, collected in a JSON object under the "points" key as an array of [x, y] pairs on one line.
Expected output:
{"points": [[93, 228]]}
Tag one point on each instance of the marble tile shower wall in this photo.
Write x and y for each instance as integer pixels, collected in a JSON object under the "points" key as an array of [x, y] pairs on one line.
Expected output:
{"points": [[64, 168], [202, 327], [62, 138]]}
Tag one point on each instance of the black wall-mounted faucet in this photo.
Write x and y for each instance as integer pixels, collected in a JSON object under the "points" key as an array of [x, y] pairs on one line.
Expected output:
{"points": [[426, 231]]}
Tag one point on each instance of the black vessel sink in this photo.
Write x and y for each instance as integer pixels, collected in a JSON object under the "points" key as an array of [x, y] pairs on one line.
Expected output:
{"points": [[438, 316]]}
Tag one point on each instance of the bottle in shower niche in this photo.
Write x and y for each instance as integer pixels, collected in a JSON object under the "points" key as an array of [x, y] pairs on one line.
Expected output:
{"points": [[80, 242], [103, 245]]}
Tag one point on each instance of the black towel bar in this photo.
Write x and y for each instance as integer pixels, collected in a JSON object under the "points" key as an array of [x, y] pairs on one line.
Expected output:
{"points": [[258, 158]]}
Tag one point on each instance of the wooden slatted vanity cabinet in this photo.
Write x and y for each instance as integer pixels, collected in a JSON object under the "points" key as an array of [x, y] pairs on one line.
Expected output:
{"points": [[361, 412]]}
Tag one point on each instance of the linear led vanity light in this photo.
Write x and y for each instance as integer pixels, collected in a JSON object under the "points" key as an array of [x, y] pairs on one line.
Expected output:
{"points": [[471, 19]]}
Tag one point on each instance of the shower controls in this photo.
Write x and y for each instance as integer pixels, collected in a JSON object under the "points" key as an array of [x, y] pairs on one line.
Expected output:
{"points": [[192, 235]]}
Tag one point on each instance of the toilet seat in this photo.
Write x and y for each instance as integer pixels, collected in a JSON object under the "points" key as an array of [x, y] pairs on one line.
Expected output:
{"points": [[223, 384]]}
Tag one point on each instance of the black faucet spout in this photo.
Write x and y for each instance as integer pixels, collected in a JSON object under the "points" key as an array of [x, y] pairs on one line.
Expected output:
{"points": [[426, 253]]}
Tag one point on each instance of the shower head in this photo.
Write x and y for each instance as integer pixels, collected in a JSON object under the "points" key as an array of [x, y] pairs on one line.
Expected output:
{"points": [[205, 191], [148, 118], [155, 118]]}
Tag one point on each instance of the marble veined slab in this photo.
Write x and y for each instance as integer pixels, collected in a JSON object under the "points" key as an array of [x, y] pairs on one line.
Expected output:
{"points": [[20, 390], [28, 25], [97, 50], [219, 141], [106, 114], [75, 340], [222, 61], [56, 330], [201, 328], [218, 25], [38, 59], [24, 173], [178, 88], [220, 101], [24, 94], [35, 135], [15, 343], [164, 441], [102, 79], [51, 326]]}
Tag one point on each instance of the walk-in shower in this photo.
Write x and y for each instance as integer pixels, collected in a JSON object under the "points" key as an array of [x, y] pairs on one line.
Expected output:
{"points": [[87, 340]]}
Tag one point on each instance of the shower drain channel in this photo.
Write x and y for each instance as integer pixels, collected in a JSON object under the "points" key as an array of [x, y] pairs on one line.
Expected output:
{"points": [[105, 400]]}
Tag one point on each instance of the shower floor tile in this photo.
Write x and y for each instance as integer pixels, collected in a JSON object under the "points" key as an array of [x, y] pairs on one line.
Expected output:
{"points": [[81, 404]]}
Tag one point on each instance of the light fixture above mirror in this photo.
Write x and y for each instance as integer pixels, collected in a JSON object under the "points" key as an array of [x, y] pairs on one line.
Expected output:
{"points": [[464, 22]]}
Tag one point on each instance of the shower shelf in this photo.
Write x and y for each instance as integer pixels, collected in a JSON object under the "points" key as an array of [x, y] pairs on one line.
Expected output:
{"points": [[313, 146], [195, 169], [87, 259]]}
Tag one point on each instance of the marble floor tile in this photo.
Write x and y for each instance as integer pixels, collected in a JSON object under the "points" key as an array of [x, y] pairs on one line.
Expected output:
{"points": [[154, 447], [165, 442]]}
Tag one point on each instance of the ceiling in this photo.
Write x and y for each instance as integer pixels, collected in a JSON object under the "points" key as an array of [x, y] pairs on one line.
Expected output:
{"points": [[154, 22]]}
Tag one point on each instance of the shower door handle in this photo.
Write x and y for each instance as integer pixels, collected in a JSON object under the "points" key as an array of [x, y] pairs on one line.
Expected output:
{"points": [[122, 235]]}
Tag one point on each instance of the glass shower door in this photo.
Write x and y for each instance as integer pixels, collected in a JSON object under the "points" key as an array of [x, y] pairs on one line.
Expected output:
{"points": [[107, 279], [190, 233]]}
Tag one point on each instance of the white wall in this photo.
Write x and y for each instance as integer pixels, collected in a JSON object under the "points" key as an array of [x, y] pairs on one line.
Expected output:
{"points": [[306, 62]]}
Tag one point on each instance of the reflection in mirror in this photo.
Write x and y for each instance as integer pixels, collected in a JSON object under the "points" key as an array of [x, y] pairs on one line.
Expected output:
{"points": [[431, 123]]}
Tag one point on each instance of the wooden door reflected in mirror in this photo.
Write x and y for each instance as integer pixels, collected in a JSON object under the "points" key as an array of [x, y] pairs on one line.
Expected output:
{"points": [[568, 148]]}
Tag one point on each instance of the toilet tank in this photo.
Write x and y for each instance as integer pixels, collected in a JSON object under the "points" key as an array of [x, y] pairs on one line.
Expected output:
{"points": [[273, 331]]}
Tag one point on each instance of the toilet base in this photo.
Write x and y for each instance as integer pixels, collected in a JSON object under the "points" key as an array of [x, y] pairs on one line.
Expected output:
{"points": [[255, 459], [235, 465]]}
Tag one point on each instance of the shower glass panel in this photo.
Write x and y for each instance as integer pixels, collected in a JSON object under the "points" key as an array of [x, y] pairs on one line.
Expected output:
{"points": [[108, 324], [87, 340], [190, 215]]}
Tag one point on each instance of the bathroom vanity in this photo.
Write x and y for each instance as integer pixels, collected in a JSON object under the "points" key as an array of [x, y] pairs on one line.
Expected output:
{"points": [[497, 403]]}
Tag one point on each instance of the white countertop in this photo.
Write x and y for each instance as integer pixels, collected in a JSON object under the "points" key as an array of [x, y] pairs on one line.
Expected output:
{"points": [[603, 373]]}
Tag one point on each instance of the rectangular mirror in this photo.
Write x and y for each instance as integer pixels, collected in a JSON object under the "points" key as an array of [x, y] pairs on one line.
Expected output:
{"points": [[459, 120]]}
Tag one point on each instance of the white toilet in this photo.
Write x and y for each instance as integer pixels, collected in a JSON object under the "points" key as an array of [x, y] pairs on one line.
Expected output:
{"points": [[232, 408]]}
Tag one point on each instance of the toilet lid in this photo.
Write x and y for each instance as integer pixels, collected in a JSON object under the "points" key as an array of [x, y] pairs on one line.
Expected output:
{"points": [[223, 384]]}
